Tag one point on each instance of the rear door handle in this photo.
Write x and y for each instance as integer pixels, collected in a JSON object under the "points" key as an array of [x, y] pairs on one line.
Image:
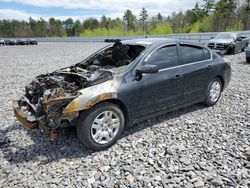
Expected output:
{"points": [[177, 77]]}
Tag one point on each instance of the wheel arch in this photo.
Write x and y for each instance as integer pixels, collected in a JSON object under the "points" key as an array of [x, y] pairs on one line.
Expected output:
{"points": [[121, 105], [222, 81]]}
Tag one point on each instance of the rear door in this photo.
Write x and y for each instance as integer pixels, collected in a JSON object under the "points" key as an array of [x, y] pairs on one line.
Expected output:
{"points": [[157, 92], [197, 69]]}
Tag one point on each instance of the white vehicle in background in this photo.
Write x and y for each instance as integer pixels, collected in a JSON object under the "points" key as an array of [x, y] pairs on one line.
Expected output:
{"points": [[228, 43]]}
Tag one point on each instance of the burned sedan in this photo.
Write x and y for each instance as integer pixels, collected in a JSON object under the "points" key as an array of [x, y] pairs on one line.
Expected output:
{"points": [[228, 43], [122, 84]]}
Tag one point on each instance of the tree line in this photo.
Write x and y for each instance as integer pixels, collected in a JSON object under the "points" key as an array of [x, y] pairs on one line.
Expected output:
{"points": [[211, 16]]}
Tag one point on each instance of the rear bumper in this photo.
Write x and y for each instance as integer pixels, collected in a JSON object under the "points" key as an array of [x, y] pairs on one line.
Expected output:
{"points": [[22, 116]]}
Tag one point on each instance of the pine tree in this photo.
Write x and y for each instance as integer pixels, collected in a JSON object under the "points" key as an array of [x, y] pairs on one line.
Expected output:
{"points": [[129, 19], [143, 19]]}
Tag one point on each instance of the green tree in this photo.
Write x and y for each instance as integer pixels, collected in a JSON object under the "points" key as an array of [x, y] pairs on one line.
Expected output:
{"points": [[195, 14], [162, 29], [91, 23], [104, 23], [159, 18], [68, 25], [52, 27], [129, 19], [143, 19], [225, 14], [208, 6], [77, 28], [246, 20]]}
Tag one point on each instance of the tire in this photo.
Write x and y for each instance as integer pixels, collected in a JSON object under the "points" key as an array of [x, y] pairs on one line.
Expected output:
{"points": [[90, 122], [248, 59], [232, 51], [212, 97]]}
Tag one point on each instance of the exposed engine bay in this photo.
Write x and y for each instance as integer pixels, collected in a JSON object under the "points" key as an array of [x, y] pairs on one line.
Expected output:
{"points": [[48, 94], [51, 93], [64, 83]]}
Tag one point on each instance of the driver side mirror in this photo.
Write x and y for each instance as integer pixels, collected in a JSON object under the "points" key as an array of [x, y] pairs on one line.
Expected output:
{"points": [[147, 69], [239, 39], [211, 37]]}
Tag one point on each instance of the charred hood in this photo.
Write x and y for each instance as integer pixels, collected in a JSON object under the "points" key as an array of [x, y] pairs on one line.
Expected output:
{"points": [[64, 83]]}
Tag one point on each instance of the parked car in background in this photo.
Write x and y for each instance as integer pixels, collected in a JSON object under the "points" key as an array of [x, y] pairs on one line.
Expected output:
{"points": [[22, 42], [32, 41], [229, 43], [10, 42], [248, 54], [2, 42], [122, 84]]}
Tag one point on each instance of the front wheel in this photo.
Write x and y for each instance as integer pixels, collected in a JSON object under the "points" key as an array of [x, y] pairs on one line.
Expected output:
{"points": [[100, 127], [213, 92]]}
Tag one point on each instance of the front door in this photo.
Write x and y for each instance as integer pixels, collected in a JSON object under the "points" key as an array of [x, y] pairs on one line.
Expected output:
{"points": [[162, 90]]}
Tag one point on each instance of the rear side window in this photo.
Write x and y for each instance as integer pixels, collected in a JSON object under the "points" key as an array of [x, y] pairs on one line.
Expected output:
{"points": [[191, 54], [164, 57]]}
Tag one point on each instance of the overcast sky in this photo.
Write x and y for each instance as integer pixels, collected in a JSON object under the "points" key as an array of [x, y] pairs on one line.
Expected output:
{"points": [[81, 9]]}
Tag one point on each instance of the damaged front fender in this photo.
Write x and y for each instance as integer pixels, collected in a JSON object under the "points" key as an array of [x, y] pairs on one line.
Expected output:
{"points": [[93, 95]]}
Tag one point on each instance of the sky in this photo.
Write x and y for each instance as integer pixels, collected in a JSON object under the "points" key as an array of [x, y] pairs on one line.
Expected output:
{"points": [[82, 9]]}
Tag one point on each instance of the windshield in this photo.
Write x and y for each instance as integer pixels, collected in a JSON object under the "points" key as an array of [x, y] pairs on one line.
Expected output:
{"points": [[225, 36], [113, 57]]}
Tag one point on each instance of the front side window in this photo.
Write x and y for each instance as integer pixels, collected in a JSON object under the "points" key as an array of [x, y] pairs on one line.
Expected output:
{"points": [[207, 54], [164, 57], [191, 54]]}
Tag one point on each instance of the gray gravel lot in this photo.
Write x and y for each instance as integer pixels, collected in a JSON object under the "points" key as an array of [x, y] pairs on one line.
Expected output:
{"points": [[192, 147]]}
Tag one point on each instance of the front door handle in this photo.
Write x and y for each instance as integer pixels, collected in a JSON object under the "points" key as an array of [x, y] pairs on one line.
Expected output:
{"points": [[210, 67]]}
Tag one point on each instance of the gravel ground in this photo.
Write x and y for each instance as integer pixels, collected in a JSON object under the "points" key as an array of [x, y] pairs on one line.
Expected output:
{"points": [[192, 147]]}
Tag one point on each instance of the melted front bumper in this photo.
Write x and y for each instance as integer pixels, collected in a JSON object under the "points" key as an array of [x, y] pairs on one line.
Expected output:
{"points": [[22, 116]]}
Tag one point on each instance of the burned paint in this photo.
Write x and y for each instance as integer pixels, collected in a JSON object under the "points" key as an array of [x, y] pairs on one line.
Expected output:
{"points": [[93, 95]]}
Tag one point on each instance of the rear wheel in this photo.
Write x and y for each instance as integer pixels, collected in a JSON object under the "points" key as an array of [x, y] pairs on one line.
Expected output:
{"points": [[100, 127], [213, 92]]}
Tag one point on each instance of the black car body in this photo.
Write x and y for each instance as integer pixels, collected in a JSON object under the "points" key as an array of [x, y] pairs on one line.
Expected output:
{"points": [[159, 75], [32, 41], [22, 42], [10, 42], [228, 43]]}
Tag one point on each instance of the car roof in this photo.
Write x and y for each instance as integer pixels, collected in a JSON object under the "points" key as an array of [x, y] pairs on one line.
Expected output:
{"points": [[147, 42]]}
